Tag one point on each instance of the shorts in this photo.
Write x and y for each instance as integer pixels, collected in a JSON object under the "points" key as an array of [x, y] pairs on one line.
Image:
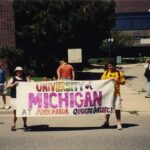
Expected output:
{"points": [[13, 103], [117, 103], [3, 89]]}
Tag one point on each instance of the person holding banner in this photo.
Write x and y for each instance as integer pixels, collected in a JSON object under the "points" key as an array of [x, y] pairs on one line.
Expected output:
{"points": [[117, 76], [12, 83], [65, 71]]}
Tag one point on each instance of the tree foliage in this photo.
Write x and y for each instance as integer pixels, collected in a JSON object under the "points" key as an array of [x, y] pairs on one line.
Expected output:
{"points": [[46, 29], [14, 56], [120, 41]]}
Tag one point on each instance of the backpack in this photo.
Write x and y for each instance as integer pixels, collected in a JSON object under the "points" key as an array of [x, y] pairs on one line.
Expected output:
{"points": [[147, 72]]}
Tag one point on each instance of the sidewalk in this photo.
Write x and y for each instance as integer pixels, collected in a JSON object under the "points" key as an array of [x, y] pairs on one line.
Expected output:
{"points": [[133, 100], [4, 111]]}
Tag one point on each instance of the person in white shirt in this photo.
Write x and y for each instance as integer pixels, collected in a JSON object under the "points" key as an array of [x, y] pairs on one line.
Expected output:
{"points": [[147, 65]]}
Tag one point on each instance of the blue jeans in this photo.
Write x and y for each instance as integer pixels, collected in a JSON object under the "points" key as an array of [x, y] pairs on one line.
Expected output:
{"points": [[148, 87]]}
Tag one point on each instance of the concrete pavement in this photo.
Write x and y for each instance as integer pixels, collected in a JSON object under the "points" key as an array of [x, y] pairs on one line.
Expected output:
{"points": [[134, 101], [4, 111], [134, 92]]}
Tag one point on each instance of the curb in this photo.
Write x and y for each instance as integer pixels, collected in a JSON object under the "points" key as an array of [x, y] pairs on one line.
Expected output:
{"points": [[3, 111]]}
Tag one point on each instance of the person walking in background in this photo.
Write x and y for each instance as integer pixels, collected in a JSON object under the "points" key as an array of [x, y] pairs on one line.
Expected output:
{"points": [[147, 71], [12, 83], [3, 85], [65, 71], [118, 78]]}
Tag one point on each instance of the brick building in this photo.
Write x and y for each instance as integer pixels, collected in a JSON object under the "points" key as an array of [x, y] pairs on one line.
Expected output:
{"points": [[7, 24], [132, 16]]}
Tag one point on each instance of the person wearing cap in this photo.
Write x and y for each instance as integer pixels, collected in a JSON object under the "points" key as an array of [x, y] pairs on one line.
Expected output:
{"points": [[12, 83], [118, 77]]}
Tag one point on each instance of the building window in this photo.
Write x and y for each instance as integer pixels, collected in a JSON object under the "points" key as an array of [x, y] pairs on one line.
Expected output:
{"points": [[133, 21]]}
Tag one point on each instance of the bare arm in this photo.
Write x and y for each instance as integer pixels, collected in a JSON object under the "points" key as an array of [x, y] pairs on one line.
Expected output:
{"points": [[58, 74], [120, 82], [73, 75], [10, 83]]}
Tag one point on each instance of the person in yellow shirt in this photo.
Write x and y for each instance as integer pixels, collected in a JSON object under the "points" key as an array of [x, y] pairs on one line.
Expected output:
{"points": [[118, 78]]}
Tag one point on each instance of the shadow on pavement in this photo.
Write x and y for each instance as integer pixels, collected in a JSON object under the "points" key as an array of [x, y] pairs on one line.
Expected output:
{"points": [[88, 76], [45, 127], [128, 125], [96, 76], [130, 77], [1, 122], [124, 125]]}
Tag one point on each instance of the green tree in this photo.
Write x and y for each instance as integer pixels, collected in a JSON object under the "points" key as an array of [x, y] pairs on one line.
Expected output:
{"points": [[120, 41], [13, 56], [46, 29]]}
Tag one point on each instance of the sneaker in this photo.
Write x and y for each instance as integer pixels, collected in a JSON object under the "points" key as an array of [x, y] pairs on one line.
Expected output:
{"points": [[13, 128], [119, 126], [105, 125]]}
